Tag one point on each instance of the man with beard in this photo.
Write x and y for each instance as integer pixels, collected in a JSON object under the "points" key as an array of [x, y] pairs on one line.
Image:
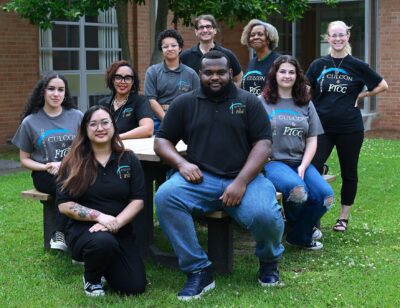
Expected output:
{"points": [[228, 142]]}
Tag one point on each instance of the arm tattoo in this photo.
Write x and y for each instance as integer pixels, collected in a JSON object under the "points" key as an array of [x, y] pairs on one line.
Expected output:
{"points": [[84, 212]]}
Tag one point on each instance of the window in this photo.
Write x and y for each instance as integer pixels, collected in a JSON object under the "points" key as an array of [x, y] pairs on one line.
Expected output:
{"points": [[81, 51]]}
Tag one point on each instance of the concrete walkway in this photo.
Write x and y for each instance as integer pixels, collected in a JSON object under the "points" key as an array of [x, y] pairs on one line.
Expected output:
{"points": [[9, 166]]}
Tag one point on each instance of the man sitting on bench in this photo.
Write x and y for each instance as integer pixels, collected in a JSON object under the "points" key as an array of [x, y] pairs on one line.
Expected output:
{"points": [[228, 142]]}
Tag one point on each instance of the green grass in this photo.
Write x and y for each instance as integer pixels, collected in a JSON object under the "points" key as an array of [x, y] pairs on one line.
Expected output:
{"points": [[358, 268]]}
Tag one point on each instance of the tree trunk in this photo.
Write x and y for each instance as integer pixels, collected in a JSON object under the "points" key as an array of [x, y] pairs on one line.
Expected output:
{"points": [[121, 7], [161, 24]]}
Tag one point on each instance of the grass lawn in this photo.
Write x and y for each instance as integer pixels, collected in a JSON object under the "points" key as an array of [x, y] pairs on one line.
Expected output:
{"points": [[358, 268]]}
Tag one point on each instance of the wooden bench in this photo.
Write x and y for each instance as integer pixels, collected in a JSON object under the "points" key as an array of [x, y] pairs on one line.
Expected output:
{"points": [[220, 236], [49, 213], [219, 224]]}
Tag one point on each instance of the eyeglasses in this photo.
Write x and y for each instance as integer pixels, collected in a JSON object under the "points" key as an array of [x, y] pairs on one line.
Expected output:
{"points": [[105, 124], [339, 35], [126, 79], [208, 27]]}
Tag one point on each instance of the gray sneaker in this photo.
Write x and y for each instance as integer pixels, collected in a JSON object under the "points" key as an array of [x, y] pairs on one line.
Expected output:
{"points": [[57, 241]]}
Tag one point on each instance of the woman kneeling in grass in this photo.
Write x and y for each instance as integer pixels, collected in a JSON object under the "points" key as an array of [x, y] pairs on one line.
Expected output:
{"points": [[102, 189], [295, 126]]}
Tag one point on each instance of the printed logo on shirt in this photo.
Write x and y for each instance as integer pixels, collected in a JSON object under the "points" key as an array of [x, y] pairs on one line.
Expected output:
{"points": [[237, 108], [255, 77], [124, 172], [127, 112], [60, 139], [337, 78], [184, 86], [291, 116]]}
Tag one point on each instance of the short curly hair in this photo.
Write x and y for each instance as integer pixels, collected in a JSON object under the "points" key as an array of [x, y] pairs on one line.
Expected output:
{"points": [[270, 32], [169, 33]]}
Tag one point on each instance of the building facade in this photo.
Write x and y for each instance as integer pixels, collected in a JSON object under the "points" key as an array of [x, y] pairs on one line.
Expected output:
{"points": [[82, 50]]}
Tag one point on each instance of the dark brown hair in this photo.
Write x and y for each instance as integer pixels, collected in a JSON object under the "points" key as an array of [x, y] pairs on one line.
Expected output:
{"points": [[111, 71], [300, 92], [78, 168], [36, 99]]}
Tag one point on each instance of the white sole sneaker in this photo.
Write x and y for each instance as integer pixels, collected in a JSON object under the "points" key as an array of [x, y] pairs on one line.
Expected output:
{"points": [[317, 234], [206, 289], [314, 245]]}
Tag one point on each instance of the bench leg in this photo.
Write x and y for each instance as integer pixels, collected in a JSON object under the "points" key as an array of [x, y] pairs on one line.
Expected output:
{"points": [[220, 244], [49, 221]]}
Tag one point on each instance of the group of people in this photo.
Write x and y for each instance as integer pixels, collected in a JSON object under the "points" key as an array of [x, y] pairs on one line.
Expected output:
{"points": [[248, 136]]}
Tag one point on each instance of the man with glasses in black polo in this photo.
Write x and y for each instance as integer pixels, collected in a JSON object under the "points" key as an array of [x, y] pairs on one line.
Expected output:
{"points": [[205, 30]]}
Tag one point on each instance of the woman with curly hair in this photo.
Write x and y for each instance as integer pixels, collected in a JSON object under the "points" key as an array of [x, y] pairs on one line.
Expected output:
{"points": [[102, 189], [295, 127], [49, 124], [131, 111], [263, 38]]}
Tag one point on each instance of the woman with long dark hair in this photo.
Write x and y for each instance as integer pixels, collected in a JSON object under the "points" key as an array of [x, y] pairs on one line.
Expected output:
{"points": [[295, 127], [49, 124], [131, 111], [101, 189], [337, 81]]}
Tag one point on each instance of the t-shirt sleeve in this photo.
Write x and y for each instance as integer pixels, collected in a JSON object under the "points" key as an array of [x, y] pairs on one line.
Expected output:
{"points": [[314, 124], [370, 77], [137, 184], [62, 196], [310, 74], [150, 83], [195, 81], [259, 124], [171, 127], [23, 138], [235, 64], [143, 109]]}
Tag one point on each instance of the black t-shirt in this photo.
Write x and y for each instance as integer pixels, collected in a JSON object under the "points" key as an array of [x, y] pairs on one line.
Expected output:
{"points": [[115, 186], [256, 73], [219, 135], [192, 56], [335, 86], [128, 116]]}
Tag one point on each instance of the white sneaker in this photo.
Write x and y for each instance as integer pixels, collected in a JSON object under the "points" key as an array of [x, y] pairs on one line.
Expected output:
{"points": [[317, 234], [57, 241], [314, 245]]}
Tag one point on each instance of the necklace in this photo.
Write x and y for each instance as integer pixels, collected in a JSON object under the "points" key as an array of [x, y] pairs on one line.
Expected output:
{"points": [[119, 105], [337, 68]]}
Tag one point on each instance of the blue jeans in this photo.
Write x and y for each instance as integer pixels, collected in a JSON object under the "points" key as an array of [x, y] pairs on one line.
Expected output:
{"points": [[305, 201], [176, 200]]}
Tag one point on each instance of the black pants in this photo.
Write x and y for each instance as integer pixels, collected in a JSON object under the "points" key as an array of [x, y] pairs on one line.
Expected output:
{"points": [[348, 147], [46, 183], [114, 257]]}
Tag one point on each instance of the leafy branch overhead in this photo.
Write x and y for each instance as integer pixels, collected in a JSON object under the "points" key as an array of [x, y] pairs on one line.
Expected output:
{"points": [[43, 12]]}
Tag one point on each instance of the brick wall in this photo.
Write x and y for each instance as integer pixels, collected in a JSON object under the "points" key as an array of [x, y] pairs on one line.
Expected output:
{"points": [[19, 70], [389, 65]]}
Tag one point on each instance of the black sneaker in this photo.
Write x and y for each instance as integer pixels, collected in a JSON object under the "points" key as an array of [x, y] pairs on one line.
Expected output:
{"points": [[93, 289], [268, 274], [57, 241], [197, 284]]}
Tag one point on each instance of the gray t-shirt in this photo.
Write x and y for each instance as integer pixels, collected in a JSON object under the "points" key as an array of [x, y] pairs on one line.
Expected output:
{"points": [[291, 126], [163, 84], [48, 139]]}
